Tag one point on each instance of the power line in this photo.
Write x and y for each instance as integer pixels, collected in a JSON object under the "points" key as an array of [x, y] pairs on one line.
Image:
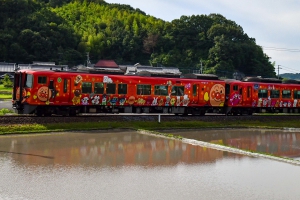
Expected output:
{"points": [[281, 49]]}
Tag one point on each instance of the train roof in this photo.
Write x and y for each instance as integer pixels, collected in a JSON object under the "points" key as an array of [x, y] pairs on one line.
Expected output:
{"points": [[201, 76], [262, 80]]}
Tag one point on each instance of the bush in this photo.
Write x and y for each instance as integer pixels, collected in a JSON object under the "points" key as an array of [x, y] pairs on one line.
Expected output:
{"points": [[7, 83], [5, 111]]}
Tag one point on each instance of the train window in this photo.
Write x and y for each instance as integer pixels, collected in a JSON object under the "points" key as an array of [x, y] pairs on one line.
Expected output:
{"points": [[249, 91], [274, 93], [29, 80], [99, 88], [195, 90], [86, 87], [122, 88], [177, 91], [297, 94], [262, 93], [65, 85], [42, 79], [110, 88], [286, 94], [143, 89], [161, 90], [235, 87], [51, 85]]}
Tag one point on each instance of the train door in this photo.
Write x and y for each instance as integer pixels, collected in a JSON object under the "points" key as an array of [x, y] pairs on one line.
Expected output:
{"points": [[227, 93], [51, 92], [195, 93], [67, 90], [249, 95]]}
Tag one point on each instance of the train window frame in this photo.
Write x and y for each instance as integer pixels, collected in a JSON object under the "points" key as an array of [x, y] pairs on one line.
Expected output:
{"points": [[286, 94], [177, 90], [86, 87], [122, 88], [296, 94], [235, 87], [275, 94], [143, 89], [110, 88], [29, 81], [161, 90], [99, 88], [65, 85], [249, 91], [262, 93], [42, 79], [195, 86]]}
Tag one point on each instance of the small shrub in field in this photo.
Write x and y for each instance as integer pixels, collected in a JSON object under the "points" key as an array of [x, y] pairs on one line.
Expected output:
{"points": [[7, 83], [5, 111]]}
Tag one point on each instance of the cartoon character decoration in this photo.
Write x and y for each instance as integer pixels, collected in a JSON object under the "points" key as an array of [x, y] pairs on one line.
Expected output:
{"points": [[122, 100], [76, 98], [24, 94], [78, 79], [114, 101], [178, 102], [168, 99], [106, 79], [131, 100], [154, 102], [95, 100], [295, 103], [185, 100], [44, 93], [235, 99], [172, 101], [161, 102], [216, 95], [259, 102], [141, 101], [104, 100], [85, 101]]}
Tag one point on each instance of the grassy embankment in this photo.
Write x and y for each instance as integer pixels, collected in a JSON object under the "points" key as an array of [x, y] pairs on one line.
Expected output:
{"points": [[135, 125], [5, 93]]}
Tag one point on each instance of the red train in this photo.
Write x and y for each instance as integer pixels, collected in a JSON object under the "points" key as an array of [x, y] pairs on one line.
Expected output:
{"points": [[47, 92]]}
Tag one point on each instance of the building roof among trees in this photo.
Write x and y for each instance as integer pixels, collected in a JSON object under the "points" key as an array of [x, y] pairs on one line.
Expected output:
{"points": [[106, 64]]}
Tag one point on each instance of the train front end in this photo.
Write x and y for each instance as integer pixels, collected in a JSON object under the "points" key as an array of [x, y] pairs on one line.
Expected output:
{"points": [[21, 91]]}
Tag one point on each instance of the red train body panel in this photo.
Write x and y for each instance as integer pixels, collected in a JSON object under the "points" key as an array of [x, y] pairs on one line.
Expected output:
{"points": [[50, 92], [262, 95], [58, 92]]}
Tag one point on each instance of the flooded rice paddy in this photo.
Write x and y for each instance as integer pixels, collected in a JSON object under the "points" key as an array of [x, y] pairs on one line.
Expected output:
{"points": [[130, 165]]}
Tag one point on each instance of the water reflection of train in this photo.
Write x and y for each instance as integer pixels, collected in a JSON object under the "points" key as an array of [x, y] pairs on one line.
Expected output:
{"points": [[107, 150]]}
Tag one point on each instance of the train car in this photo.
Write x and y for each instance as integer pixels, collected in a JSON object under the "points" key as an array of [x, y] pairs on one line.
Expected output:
{"points": [[48, 92], [259, 95]]}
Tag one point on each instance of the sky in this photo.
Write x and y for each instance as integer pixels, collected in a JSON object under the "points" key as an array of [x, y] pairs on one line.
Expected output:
{"points": [[274, 24]]}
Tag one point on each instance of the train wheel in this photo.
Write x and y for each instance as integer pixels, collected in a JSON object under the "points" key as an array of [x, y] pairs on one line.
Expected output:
{"points": [[39, 113], [202, 112], [72, 112]]}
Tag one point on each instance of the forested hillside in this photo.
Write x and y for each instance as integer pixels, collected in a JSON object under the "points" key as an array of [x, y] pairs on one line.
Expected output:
{"points": [[62, 31]]}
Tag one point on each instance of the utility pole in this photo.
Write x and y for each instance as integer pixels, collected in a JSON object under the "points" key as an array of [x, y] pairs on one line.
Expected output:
{"points": [[88, 62], [278, 70], [201, 69]]}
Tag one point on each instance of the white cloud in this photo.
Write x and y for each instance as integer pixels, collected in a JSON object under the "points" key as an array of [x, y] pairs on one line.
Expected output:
{"points": [[273, 23]]}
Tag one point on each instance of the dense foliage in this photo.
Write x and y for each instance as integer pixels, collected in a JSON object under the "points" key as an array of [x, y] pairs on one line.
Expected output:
{"points": [[64, 30]]}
